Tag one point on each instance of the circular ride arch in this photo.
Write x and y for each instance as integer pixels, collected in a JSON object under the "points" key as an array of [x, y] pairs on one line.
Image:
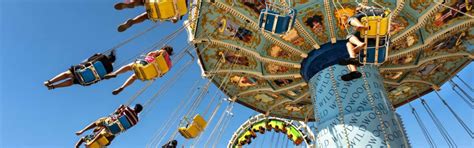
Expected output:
{"points": [[296, 131]]}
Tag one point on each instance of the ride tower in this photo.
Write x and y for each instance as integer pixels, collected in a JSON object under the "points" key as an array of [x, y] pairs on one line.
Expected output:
{"points": [[353, 113]]}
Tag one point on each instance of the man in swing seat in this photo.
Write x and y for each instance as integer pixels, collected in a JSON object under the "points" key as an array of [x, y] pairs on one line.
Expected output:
{"points": [[354, 45], [84, 73], [121, 120], [147, 15], [151, 59]]}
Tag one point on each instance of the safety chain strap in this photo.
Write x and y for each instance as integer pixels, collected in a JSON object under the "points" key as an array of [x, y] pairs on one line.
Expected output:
{"points": [[374, 108], [339, 105]]}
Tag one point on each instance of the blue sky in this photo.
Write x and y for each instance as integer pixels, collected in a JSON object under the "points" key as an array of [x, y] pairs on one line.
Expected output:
{"points": [[39, 39]]}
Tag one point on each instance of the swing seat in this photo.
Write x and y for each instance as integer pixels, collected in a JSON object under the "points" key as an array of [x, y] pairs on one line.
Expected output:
{"points": [[193, 130], [259, 127], [119, 125], [376, 24], [114, 127], [249, 134], [372, 54], [159, 10], [158, 68], [274, 22], [245, 138], [99, 141], [294, 135], [91, 74], [277, 125]]}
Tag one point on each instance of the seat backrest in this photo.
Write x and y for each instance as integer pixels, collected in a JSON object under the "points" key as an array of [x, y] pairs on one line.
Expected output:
{"points": [[124, 121], [163, 62], [98, 141], [275, 22], [375, 23], [199, 121], [145, 72], [100, 68], [91, 74], [164, 9]]}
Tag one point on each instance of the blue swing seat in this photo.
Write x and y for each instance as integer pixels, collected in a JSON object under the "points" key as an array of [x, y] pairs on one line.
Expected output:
{"points": [[91, 74], [274, 22], [120, 125], [374, 56]]}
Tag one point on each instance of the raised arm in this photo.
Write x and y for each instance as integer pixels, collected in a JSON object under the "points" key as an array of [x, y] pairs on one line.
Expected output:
{"points": [[119, 109]]}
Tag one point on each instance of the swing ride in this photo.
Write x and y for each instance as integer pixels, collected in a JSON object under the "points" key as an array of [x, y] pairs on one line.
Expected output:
{"points": [[283, 56], [280, 58]]}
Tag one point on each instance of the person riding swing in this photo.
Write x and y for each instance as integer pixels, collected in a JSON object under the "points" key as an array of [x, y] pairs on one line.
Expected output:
{"points": [[86, 73], [155, 64], [354, 45]]}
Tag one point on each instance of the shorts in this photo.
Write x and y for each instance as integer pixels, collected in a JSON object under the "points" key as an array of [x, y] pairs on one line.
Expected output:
{"points": [[101, 121], [72, 70]]}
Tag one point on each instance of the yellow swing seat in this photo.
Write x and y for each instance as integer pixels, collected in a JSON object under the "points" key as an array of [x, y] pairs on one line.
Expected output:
{"points": [[159, 10], [158, 68], [194, 129], [375, 23], [99, 141]]}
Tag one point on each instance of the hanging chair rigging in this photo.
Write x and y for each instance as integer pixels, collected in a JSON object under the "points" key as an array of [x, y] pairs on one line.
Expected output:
{"points": [[159, 10], [276, 18], [194, 129], [376, 38]]}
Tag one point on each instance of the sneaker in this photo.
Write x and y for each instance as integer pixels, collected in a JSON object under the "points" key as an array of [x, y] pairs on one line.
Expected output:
{"points": [[351, 76], [117, 91]]}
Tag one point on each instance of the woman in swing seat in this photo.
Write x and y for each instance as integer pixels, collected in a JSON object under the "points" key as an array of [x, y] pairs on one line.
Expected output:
{"points": [[150, 57], [354, 44], [142, 17], [70, 77]]}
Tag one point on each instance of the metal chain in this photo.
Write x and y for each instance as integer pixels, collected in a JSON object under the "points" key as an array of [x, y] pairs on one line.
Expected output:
{"points": [[339, 105], [374, 108], [399, 124]]}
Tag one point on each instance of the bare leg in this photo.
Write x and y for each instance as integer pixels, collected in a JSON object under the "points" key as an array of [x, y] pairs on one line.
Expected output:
{"points": [[176, 12], [129, 23], [66, 83], [90, 126], [122, 69], [62, 76], [79, 143], [131, 4], [354, 40], [356, 23], [130, 80], [350, 49]]}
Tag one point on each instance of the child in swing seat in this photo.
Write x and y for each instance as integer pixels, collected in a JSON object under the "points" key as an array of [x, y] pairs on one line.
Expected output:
{"points": [[354, 44]]}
